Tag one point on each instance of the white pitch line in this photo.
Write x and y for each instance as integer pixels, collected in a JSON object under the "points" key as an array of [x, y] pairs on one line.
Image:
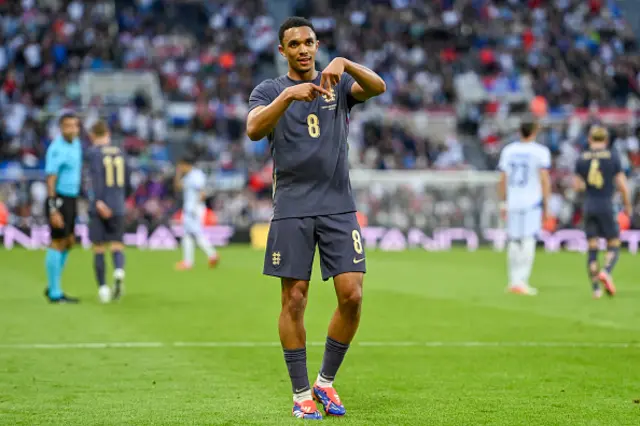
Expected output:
{"points": [[141, 345], [100, 345]]}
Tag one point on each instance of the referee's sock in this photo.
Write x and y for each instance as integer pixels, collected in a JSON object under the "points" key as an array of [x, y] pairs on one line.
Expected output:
{"points": [[53, 262], [63, 259]]}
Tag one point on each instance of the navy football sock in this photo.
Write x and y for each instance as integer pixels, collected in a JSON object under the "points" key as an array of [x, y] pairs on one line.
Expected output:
{"points": [[296, 360], [334, 353], [593, 268], [98, 266], [118, 259], [612, 258]]}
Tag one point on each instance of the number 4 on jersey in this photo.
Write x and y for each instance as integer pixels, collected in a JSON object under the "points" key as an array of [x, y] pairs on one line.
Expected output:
{"points": [[594, 178]]}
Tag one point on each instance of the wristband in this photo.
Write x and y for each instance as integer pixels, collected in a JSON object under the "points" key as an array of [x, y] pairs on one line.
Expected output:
{"points": [[53, 204]]}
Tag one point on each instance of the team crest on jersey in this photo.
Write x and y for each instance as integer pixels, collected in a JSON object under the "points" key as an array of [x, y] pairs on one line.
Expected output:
{"points": [[276, 258], [330, 98]]}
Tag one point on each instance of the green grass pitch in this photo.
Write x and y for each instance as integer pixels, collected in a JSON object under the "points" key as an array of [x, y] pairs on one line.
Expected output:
{"points": [[440, 343]]}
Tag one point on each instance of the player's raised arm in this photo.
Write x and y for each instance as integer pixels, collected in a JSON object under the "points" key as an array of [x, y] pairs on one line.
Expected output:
{"points": [[268, 101], [264, 114], [263, 118], [368, 84]]}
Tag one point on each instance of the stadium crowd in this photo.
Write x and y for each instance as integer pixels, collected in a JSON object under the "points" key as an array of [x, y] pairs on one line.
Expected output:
{"points": [[575, 53]]}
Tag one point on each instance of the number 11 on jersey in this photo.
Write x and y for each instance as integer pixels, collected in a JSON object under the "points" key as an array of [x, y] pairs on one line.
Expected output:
{"points": [[112, 164]]}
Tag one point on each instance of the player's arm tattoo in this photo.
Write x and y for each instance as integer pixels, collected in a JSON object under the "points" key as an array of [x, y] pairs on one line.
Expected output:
{"points": [[262, 119], [368, 84]]}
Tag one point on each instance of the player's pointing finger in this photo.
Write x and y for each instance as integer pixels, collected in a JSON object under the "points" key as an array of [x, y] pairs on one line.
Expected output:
{"points": [[321, 89], [323, 80]]}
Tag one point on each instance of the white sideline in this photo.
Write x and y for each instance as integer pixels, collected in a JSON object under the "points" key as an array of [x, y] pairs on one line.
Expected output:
{"points": [[140, 345]]}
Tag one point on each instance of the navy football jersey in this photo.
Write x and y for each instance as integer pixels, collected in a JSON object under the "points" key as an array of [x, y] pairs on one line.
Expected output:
{"points": [[108, 174], [309, 150], [598, 168]]}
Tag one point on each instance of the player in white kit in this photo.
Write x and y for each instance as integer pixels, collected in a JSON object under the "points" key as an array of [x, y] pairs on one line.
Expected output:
{"points": [[192, 182], [524, 190]]}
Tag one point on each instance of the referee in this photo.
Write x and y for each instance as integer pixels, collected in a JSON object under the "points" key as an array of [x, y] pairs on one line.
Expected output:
{"points": [[63, 167]]}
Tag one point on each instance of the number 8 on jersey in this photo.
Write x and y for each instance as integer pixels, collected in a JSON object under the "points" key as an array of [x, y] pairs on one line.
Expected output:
{"points": [[314, 125]]}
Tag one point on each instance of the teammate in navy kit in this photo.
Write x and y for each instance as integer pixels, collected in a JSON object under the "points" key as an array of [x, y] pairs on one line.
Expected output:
{"points": [[107, 169], [599, 173], [305, 115]]}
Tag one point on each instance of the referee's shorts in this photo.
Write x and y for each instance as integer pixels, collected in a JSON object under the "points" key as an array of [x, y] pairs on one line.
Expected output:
{"points": [[67, 206]]}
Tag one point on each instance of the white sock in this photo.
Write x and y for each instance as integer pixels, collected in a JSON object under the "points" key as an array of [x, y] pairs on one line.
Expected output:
{"points": [[513, 263], [205, 246], [324, 383], [302, 396], [528, 251], [187, 249], [118, 274]]}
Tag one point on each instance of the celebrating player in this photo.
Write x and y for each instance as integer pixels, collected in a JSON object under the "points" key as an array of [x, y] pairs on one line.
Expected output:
{"points": [[524, 189], [599, 173], [63, 167], [305, 115], [107, 168], [192, 181]]}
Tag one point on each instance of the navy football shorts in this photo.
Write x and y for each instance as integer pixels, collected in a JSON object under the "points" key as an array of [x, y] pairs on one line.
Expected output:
{"points": [[291, 246], [106, 230], [601, 225]]}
